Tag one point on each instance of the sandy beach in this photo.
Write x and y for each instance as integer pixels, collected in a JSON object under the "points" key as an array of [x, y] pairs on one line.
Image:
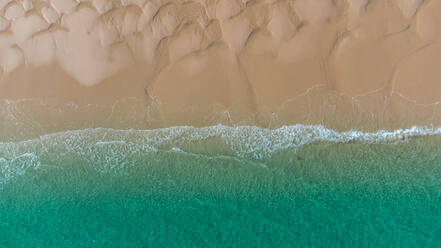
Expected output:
{"points": [[366, 64]]}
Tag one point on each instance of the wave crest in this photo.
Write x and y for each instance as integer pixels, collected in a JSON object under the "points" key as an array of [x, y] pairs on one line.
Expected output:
{"points": [[110, 149]]}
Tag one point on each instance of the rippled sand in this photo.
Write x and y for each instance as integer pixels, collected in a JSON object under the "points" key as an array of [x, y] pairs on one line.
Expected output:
{"points": [[365, 63]]}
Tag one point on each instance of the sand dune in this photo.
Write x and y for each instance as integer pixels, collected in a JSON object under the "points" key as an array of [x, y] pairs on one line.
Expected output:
{"points": [[323, 61]]}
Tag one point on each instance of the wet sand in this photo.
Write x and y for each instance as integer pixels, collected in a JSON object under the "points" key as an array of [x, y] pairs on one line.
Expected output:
{"points": [[363, 64]]}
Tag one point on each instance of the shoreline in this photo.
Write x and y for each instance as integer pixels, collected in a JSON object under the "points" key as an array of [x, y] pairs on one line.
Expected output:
{"points": [[316, 106], [112, 150], [285, 137]]}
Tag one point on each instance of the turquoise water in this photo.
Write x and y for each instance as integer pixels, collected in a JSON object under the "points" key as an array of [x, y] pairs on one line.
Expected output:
{"points": [[297, 186]]}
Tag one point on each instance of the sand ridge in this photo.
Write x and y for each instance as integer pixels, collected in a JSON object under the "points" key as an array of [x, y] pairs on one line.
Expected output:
{"points": [[252, 58]]}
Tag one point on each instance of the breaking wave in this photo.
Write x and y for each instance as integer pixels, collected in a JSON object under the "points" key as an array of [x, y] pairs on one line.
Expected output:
{"points": [[110, 149]]}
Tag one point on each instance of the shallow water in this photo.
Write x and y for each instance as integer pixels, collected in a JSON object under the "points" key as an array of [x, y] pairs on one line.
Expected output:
{"points": [[298, 186]]}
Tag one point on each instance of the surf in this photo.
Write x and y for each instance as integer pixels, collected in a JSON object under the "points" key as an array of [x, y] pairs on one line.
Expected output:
{"points": [[111, 149]]}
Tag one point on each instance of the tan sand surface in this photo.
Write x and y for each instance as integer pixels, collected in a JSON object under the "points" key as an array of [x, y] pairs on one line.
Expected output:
{"points": [[343, 63]]}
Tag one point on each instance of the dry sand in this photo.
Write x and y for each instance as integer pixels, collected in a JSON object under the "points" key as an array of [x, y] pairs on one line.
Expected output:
{"points": [[343, 63]]}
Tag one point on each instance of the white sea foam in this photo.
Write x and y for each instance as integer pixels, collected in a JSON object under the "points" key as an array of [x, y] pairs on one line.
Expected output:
{"points": [[109, 149]]}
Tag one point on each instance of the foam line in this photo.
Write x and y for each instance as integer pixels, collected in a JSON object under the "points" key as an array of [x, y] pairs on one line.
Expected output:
{"points": [[110, 149]]}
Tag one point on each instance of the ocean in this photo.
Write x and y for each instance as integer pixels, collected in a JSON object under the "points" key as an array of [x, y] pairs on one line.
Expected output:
{"points": [[222, 186]]}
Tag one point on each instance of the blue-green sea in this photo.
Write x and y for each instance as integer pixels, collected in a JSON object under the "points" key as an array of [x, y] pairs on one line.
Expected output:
{"points": [[220, 186]]}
